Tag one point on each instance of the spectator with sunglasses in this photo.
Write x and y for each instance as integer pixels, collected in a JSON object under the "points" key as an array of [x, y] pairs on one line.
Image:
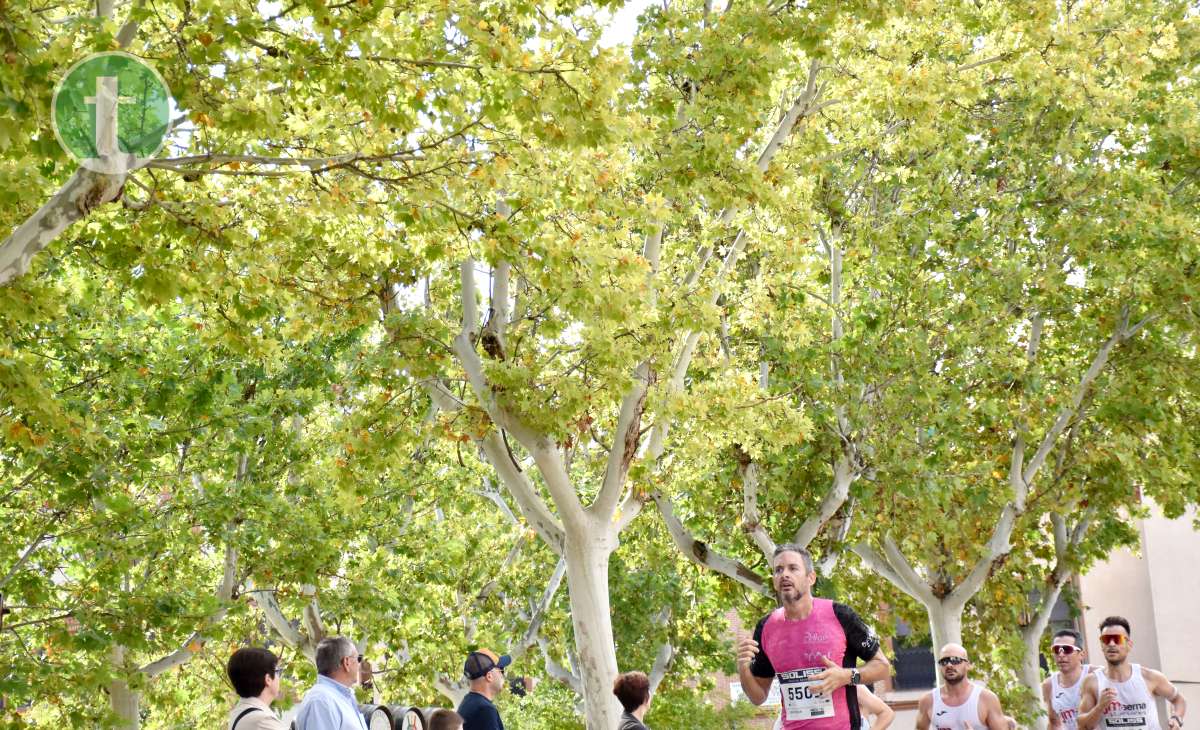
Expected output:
{"points": [[960, 704], [1061, 690], [1122, 695], [254, 674], [330, 704]]}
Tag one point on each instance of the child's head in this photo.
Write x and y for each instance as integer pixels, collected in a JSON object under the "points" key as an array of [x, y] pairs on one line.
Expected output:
{"points": [[445, 720]]}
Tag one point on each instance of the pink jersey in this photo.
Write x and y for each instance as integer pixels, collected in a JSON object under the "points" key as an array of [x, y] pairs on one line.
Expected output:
{"points": [[796, 645]]}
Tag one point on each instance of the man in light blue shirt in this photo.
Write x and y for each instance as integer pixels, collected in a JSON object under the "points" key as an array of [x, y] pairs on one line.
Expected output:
{"points": [[330, 704]]}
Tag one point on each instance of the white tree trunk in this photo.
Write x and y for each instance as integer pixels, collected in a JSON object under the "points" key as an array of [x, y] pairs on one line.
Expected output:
{"points": [[126, 703], [1030, 672], [587, 580], [945, 624]]}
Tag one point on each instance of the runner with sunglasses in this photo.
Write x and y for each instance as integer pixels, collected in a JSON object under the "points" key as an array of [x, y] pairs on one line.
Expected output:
{"points": [[1122, 695], [959, 704], [1061, 690]]}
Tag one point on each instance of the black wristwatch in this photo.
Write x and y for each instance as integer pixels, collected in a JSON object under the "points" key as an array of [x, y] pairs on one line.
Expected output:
{"points": [[856, 678]]}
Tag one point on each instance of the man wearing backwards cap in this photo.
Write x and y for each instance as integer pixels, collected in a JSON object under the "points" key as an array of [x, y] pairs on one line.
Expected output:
{"points": [[485, 671]]}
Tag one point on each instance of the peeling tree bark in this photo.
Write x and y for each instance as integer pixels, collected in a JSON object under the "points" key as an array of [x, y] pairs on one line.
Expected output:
{"points": [[82, 193]]}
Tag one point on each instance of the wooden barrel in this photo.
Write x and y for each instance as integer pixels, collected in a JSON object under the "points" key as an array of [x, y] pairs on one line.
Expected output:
{"points": [[408, 718], [377, 717]]}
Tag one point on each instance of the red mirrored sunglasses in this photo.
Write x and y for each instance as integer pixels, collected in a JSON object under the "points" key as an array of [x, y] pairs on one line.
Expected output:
{"points": [[1113, 639]]}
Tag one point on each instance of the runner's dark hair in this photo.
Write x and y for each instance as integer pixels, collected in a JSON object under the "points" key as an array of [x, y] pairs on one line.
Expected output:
{"points": [[1073, 634], [1116, 621]]}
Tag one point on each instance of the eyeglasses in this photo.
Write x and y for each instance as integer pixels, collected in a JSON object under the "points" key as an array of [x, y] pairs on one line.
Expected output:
{"points": [[1113, 639], [1064, 649], [951, 660]]}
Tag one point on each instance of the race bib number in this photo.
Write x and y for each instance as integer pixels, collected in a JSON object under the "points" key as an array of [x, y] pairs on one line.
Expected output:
{"points": [[801, 701]]}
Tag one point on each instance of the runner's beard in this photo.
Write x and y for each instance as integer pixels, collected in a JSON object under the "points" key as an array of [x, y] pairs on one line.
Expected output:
{"points": [[791, 594], [954, 680]]}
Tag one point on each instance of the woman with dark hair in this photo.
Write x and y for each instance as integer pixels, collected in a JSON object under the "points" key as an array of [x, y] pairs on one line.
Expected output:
{"points": [[633, 691], [254, 674]]}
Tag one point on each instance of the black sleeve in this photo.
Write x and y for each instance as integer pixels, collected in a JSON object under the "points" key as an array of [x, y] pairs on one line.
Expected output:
{"points": [[761, 665], [861, 642]]}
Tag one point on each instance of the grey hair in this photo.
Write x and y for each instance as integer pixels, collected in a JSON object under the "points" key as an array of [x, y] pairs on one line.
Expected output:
{"points": [[331, 651], [789, 547]]}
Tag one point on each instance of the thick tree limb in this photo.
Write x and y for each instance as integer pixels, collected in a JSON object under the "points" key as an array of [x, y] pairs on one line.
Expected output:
{"points": [[664, 656], [843, 476], [288, 634], [751, 520], [82, 193], [558, 671], [544, 454], [75, 200], [699, 553], [533, 508], [625, 443], [902, 576]]}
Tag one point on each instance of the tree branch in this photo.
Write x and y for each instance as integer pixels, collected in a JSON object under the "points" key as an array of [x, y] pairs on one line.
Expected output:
{"points": [[558, 671], [289, 635], [530, 638], [843, 477], [664, 656], [1068, 412], [630, 508], [900, 574], [29, 550], [78, 197], [751, 520], [225, 595], [624, 446], [529, 502], [699, 553]]}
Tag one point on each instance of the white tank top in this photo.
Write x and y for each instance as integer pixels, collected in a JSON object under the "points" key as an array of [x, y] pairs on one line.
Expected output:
{"points": [[962, 717], [1134, 708], [1065, 700]]}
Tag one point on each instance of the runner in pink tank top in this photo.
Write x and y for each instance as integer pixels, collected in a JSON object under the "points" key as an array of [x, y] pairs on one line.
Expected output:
{"points": [[811, 646]]}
